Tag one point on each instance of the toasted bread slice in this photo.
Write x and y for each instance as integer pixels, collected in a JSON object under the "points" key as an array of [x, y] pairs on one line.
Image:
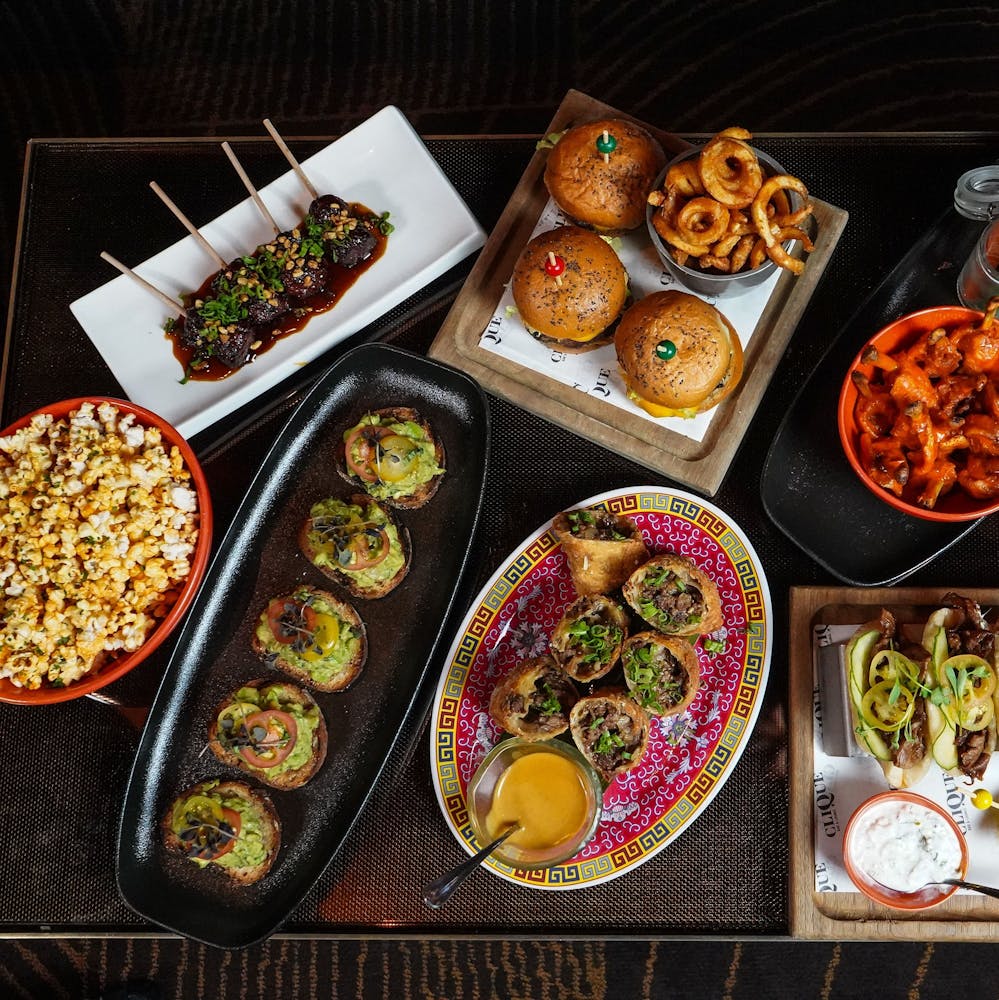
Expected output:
{"points": [[533, 700], [401, 475], [313, 636], [330, 531], [252, 848], [301, 759], [675, 596], [611, 731]]}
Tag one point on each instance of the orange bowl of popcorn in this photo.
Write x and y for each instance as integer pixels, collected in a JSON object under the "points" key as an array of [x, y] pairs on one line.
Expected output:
{"points": [[105, 532]]}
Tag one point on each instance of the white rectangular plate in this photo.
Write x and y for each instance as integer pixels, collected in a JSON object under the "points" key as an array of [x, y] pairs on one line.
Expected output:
{"points": [[382, 164]]}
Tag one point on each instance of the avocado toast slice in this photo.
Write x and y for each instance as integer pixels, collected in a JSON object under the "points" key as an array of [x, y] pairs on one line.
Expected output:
{"points": [[272, 730], [358, 543], [225, 824], [394, 455], [314, 637]]}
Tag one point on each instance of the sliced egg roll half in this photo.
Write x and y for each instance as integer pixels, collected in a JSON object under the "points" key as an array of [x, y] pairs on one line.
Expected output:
{"points": [[675, 596], [601, 549], [611, 731], [587, 641], [662, 672], [533, 700]]}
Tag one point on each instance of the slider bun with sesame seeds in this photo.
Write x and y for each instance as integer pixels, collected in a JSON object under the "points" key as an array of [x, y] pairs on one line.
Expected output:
{"points": [[576, 309], [607, 193], [678, 355]]}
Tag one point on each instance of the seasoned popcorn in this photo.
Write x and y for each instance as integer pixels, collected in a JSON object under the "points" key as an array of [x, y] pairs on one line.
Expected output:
{"points": [[98, 521]]}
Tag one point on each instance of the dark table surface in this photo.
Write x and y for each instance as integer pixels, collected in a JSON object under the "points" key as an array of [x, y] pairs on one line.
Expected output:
{"points": [[66, 767]]}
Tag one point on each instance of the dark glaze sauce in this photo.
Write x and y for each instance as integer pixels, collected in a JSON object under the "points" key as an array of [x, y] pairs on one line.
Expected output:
{"points": [[341, 278]]}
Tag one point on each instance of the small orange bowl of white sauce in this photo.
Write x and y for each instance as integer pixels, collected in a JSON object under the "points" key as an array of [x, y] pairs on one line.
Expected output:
{"points": [[545, 788], [896, 843]]}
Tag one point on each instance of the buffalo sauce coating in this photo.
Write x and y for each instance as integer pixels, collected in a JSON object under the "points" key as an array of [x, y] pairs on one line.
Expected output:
{"points": [[545, 795]]}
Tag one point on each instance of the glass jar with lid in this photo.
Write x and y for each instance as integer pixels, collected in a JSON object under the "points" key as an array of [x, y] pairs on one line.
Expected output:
{"points": [[977, 197]]}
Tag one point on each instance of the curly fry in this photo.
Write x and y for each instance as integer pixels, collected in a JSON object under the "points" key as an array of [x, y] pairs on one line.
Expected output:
{"points": [[762, 200], [718, 263], [758, 254], [731, 172], [741, 252], [665, 228], [685, 178], [726, 245], [734, 132], [702, 221]]}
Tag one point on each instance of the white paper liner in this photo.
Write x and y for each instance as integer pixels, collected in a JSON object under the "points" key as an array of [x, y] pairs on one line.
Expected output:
{"points": [[596, 372]]}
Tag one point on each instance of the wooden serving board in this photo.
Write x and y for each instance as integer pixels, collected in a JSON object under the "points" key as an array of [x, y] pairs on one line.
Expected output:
{"points": [[699, 464], [813, 914]]}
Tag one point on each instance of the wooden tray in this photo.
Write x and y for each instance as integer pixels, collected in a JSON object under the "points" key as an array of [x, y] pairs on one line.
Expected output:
{"points": [[814, 914], [699, 464]]}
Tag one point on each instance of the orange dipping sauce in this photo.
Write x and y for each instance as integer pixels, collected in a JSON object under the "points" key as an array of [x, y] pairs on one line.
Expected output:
{"points": [[547, 796]]}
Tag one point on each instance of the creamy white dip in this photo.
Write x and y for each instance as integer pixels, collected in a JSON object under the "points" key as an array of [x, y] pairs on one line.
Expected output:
{"points": [[903, 846]]}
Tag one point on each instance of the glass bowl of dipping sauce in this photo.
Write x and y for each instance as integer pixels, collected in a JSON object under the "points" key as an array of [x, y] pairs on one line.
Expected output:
{"points": [[898, 841], [548, 788]]}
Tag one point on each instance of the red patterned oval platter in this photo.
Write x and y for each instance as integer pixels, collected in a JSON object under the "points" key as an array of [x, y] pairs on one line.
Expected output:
{"points": [[689, 756]]}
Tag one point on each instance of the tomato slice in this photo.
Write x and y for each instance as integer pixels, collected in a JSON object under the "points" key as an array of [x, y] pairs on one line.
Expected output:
{"points": [[289, 619], [227, 840], [324, 639], [361, 451], [887, 706], [367, 548], [207, 829], [397, 457], [271, 734]]}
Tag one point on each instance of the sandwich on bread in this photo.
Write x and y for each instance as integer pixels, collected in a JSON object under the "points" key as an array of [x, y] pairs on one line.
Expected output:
{"points": [[887, 690], [678, 355], [570, 288], [600, 173]]}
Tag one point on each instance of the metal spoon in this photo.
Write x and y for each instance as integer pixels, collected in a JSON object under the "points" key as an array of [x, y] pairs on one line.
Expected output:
{"points": [[438, 892], [985, 890]]}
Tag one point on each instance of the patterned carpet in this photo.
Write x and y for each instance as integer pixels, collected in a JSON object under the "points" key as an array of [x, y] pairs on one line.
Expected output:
{"points": [[190, 67], [493, 970]]}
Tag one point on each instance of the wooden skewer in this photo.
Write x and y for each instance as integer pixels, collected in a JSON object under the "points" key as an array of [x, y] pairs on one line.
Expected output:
{"points": [[170, 303], [290, 157], [248, 184], [188, 225]]}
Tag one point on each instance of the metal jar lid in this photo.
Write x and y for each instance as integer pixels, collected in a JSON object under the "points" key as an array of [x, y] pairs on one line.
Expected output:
{"points": [[977, 193]]}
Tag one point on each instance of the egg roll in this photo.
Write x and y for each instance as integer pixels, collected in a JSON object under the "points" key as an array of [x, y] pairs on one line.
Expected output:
{"points": [[601, 549]]}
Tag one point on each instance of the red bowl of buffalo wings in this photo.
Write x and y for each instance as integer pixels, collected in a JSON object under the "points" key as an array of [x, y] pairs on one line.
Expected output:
{"points": [[919, 413]]}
